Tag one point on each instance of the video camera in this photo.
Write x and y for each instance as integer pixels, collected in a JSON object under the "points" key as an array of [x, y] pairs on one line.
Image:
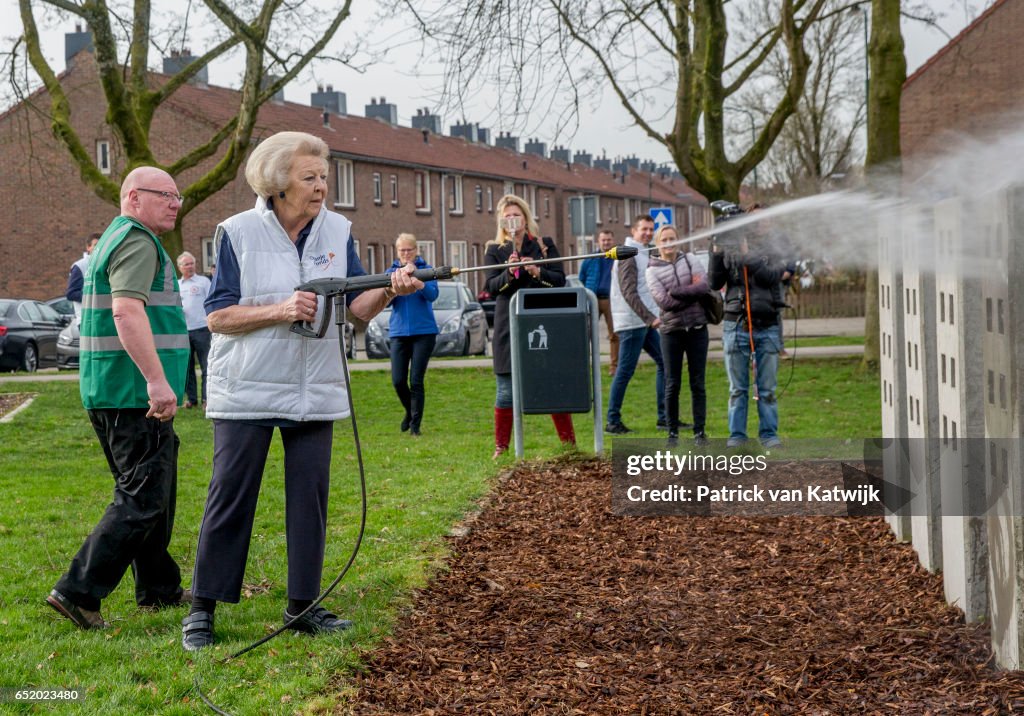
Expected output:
{"points": [[724, 211]]}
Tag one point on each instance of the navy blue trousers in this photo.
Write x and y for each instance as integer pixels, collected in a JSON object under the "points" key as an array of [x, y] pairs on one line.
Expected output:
{"points": [[239, 456]]}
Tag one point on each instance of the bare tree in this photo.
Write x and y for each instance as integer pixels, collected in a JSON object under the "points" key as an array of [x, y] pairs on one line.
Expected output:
{"points": [[279, 39], [663, 59], [819, 140]]}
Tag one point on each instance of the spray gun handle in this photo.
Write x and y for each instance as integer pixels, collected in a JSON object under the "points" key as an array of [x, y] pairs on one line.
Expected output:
{"points": [[331, 287]]}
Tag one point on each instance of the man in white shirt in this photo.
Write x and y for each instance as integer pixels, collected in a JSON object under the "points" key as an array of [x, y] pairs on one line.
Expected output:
{"points": [[194, 289]]}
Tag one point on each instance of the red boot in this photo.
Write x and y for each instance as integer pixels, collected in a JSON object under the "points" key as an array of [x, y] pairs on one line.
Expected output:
{"points": [[502, 430], [563, 424]]}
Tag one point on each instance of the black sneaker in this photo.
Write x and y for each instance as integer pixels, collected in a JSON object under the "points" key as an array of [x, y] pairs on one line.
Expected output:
{"points": [[701, 439], [616, 429], [197, 631], [662, 425], [685, 426], [317, 621]]}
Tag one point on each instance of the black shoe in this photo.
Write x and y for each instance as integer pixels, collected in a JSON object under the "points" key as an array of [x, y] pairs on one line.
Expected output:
{"points": [[197, 631], [317, 621], [415, 431], [81, 618], [673, 439], [406, 421], [662, 425], [616, 429], [685, 426], [701, 439]]}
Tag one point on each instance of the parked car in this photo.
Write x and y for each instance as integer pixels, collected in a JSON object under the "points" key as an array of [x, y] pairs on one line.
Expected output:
{"points": [[463, 325], [487, 303], [61, 305], [28, 334], [67, 347]]}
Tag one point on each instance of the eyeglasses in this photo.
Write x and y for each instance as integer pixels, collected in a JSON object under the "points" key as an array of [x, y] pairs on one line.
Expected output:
{"points": [[168, 195]]}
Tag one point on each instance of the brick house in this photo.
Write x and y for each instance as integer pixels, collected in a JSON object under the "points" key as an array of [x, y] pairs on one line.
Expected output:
{"points": [[969, 87], [387, 179]]}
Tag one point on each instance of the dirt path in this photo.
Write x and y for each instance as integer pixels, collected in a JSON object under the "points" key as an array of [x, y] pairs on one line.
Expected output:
{"points": [[553, 605]]}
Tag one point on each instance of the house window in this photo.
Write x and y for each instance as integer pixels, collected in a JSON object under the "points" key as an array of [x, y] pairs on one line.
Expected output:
{"points": [[455, 195], [478, 192], [459, 254], [343, 190], [597, 210], [377, 189], [547, 206], [394, 190], [422, 192], [103, 156], [532, 190], [509, 188], [209, 251], [625, 212], [490, 200], [426, 250], [371, 258]]}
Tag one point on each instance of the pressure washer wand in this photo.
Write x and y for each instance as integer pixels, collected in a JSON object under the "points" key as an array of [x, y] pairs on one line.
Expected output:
{"points": [[335, 287]]}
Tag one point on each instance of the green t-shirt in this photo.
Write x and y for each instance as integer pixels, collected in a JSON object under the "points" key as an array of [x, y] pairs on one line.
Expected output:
{"points": [[133, 266]]}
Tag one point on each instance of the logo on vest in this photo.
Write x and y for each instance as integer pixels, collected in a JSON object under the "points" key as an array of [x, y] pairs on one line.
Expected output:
{"points": [[324, 262]]}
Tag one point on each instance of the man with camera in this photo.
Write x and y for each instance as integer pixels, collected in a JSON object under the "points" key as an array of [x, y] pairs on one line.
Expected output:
{"points": [[752, 274]]}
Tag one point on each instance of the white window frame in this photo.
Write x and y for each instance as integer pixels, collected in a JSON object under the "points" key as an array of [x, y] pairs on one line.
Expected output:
{"points": [[508, 188], [460, 256], [490, 203], [103, 156], [597, 210], [547, 206], [478, 193], [531, 191], [208, 249], [371, 258], [455, 196], [394, 190], [426, 250], [377, 189], [626, 214], [421, 183], [344, 190]]}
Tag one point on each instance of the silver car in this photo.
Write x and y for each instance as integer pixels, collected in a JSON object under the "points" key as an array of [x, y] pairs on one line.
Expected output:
{"points": [[460, 318]]}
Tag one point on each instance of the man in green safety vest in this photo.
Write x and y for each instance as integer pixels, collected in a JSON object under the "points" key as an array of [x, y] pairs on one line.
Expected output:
{"points": [[134, 353]]}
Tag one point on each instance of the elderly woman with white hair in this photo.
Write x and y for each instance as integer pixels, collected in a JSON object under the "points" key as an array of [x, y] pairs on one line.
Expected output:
{"points": [[262, 376]]}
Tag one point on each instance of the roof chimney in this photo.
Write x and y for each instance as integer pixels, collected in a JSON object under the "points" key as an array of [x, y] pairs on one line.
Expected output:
{"points": [[179, 60], [329, 100], [425, 120], [505, 140], [75, 42], [382, 110]]}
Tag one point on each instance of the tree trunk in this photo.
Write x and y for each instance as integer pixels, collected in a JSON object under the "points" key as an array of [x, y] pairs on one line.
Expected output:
{"points": [[888, 69]]}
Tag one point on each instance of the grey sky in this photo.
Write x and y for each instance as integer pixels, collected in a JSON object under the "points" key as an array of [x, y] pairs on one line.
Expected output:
{"points": [[606, 128]]}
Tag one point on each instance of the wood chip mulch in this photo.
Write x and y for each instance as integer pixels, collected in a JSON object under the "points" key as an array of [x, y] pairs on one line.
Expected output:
{"points": [[10, 401], [552, 605]]}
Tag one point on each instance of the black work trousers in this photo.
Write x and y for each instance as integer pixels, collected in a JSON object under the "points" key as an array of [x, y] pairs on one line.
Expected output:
{"points": [[239, 456], [694, 345], [409, 358], [135, 529]]}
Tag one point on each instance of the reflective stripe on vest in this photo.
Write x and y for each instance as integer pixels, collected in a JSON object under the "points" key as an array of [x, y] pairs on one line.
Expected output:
{"points": [[108, 376]]}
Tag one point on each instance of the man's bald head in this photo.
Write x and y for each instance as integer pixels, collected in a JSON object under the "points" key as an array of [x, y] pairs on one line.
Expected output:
{"points": [[150, 195]]}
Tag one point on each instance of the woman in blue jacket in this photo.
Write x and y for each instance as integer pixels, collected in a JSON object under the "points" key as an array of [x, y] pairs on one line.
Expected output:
{"points": [[413, 332]]}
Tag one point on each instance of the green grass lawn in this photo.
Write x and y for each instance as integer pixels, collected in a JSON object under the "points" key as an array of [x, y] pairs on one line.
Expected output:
{"points": [[56, 485]]}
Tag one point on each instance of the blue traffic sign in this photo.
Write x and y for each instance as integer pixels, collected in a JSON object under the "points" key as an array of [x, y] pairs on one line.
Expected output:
{"points": [[662, 216]]}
